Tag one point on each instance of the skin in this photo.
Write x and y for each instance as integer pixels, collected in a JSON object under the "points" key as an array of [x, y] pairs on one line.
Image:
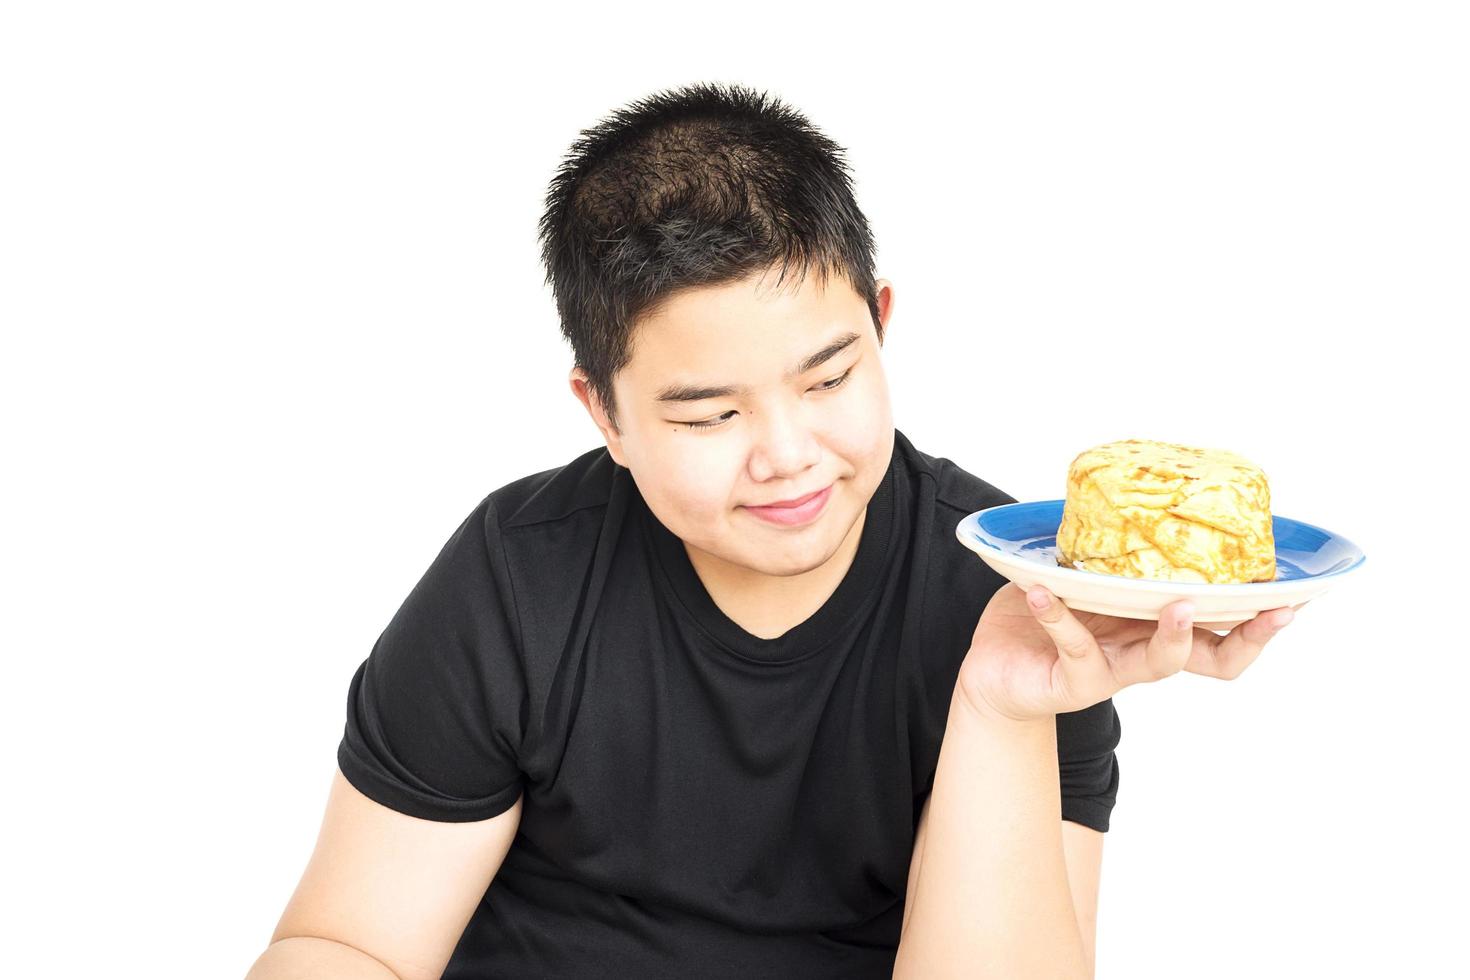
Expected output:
{"points": [[783, 438], [1033, 657], [995, 891]]}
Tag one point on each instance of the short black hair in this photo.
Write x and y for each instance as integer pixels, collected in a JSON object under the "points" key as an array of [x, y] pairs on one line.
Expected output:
{"points": [[694, 186]]}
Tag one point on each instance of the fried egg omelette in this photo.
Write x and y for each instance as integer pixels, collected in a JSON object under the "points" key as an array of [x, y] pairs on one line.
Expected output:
{"points": [[1159, 510]]}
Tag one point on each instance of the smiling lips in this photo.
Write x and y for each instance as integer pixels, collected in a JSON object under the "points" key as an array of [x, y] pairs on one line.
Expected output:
{"points": [[795, 512]]}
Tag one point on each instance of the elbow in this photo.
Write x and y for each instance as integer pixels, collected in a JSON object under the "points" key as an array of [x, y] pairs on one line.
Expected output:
{"points": [[290, 957]]}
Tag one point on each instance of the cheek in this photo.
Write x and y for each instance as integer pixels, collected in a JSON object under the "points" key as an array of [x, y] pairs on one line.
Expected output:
{"points": [[697, 476], [861, 427]]}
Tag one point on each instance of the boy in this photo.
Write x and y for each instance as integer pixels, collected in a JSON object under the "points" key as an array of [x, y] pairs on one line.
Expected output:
{"points": [[675, 709]]}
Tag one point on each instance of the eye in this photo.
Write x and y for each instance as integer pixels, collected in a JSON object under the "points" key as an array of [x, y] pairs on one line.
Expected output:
{"points": [[710, 424], [835, 383], [831, 385]]}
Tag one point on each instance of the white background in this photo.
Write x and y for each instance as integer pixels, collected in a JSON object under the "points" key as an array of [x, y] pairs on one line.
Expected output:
{"points": [[274, 323]]}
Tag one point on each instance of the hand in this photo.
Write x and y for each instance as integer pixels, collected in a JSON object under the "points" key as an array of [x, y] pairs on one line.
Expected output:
{"points": [[1027, 661]]}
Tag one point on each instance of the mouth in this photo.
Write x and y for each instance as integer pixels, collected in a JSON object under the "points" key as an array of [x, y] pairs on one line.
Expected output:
{"points": [[793, 513]]}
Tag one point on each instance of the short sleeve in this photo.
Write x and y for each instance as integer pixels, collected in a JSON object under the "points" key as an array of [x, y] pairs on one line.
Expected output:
{"points": [[435, 714], [1088, 763]]}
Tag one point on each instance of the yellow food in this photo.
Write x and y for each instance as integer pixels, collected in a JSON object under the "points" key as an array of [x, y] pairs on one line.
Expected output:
{"points": [[1159, 510]]}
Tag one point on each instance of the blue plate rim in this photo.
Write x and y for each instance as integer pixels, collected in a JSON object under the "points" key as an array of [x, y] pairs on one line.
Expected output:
{"points": [[973, 519]]}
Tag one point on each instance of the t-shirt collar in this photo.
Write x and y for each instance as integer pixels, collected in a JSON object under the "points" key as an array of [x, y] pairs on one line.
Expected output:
{"points": [[818, 630]]}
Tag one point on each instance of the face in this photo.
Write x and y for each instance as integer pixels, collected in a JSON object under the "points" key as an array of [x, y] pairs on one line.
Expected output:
{"points": [[743, 395]]}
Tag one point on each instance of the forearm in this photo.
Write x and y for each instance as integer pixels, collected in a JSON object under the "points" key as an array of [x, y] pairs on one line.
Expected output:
{"points": [[992, 898], [318, 959]]}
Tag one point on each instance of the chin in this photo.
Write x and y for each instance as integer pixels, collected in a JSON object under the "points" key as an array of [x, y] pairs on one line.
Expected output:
{"points": [[808, 549], [777, 568]]}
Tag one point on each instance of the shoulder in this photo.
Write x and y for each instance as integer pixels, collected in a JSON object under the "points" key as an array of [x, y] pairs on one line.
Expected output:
{"points": [[506, 520], [525, 540], [552, 495], [952, 584], [953, 489], [552, 534], [956, 583]]}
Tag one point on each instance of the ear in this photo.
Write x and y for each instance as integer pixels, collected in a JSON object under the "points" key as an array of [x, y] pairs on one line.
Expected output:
{"points": [[885, 307], [578, 381]]}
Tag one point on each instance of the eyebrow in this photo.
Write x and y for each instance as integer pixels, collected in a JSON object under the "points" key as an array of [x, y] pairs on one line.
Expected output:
{"points": [[694, 393]]}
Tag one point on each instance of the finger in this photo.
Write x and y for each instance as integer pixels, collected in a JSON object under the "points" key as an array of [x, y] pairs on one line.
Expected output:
{"points": [[1084, 668], [1227, 657], [1168, 649], [1073, 640]]}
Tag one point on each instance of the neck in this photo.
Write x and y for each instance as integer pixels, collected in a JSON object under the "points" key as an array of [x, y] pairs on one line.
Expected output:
{"points": [[768, 606]]}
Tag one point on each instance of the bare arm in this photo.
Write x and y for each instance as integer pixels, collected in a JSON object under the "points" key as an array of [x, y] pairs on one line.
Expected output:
{"points": [[385, 896], [991, 896], [1082, 846], [303, 957], [992, 892]]}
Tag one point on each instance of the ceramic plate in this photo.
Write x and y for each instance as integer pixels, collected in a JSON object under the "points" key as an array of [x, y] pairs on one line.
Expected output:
{"points": [[1020, 542]]}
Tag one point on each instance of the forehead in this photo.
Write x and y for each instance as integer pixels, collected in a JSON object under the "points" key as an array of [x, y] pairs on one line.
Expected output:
{"points": [[750, 331]]}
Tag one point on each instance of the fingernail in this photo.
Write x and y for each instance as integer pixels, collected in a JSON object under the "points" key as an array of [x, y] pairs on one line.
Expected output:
{"points": [[1284, 617], [1039, 599], [1186, 618]]}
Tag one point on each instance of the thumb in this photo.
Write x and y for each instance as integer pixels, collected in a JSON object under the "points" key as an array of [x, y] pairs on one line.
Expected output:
{"points": [[1073, 640]]}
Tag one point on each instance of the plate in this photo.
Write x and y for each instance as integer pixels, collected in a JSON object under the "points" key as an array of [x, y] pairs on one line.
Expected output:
{"points": [[1020, 542]]}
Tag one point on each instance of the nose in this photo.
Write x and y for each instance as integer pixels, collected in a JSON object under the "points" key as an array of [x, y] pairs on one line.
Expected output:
{"points": [[784, 447]]}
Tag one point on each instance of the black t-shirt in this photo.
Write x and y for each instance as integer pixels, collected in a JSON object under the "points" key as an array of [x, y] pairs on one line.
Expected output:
{"points": [[699, 801]]}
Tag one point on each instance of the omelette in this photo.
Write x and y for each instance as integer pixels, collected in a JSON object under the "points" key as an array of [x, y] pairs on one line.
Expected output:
{"points": [[1159, 510]]}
